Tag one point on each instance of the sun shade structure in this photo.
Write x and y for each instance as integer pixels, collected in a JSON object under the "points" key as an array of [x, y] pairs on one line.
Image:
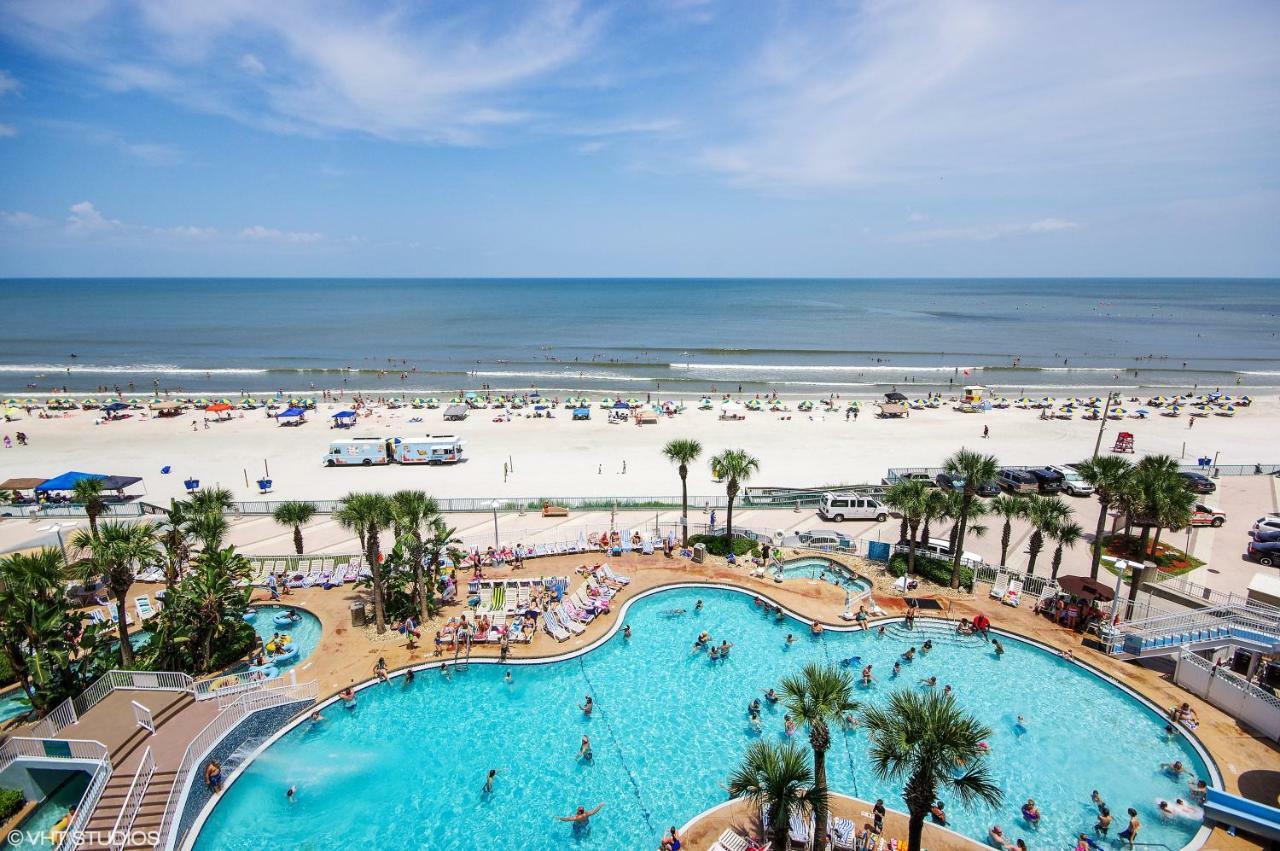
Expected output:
{"points": [[218, 407], [1082, 586], [894, 397], [20, 484], [68, 480]]}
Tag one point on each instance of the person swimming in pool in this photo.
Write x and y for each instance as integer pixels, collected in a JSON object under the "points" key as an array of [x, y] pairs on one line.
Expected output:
{"points": [[626, 631], [1130, 833], [866, 676], [488, 781], [584, 751], [927, 646], [999, 648], [506, 677], [1030, 812], [929, 682], [1174, 769], [697, 607], [316, 718], [910, 655], [772, 696], [581, 819], [897, 669], [213, 776], [725, 647], [713, 653], [704, 638], [587, 707], [348, 696], [788, 725], [1103, 826], [753, 708], [791, 639]]}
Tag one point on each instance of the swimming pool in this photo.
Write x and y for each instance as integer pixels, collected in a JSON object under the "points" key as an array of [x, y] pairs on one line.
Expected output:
{"points": [[13, 703], [305, 632], [406, 768], [33, 831], [825, 570]]}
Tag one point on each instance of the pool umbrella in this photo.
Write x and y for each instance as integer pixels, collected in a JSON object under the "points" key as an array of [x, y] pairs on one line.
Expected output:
{"points": [[1082, 586]]}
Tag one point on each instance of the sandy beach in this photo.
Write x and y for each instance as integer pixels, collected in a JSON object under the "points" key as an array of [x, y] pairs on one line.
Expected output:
{"points": [[560, 457]]}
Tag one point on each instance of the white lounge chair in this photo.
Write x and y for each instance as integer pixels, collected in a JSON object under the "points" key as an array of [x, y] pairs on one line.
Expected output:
{"points": [[800, 832], [143, 606], [844, 834], [1000, 586], [553, 627], [1013, 595], [113, 613], [730, 841]]}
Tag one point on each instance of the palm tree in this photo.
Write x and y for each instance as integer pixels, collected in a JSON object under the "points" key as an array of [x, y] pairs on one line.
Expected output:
{"points": [[735, 466], [112, 553], [212, 501], [88, 493], [776, 777], [1045, 513], [441, 545], [928, 741], [908, 498], [1010, 508], [976, 469], [1066, 536], [683, 451], [368, 514], [294, 514], [30, 592], [212, 595], [1108, 475], [818, 695], [956, 507], [1157, 497], [172, 532], [410, 511], [209, 529], [936, 505]]}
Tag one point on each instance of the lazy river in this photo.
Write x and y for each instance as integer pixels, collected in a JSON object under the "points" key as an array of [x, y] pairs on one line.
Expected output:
{"points": [[406, 767]]}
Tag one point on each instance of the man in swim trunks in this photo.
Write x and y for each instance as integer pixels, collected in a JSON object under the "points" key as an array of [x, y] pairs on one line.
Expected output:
{"points": [[1130, 833], [587, 707], [582, 817]]}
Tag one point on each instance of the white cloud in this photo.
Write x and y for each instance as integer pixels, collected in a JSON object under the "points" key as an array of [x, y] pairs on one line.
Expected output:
{"points": [[906, 91], [19, 220], [251, 64], [8, 84], [258, 233], [8, 130], [983, 233], [400, 71], [85, 218]]}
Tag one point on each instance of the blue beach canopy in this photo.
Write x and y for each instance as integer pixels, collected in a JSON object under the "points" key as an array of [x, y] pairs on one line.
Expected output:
{"points": [[291, 412], [621, 406], [67, 481], [115, 406], [341, 415]]}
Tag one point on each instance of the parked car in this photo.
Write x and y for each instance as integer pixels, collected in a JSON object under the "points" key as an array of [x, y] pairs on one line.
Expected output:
{"points": [[824, 538], [941, 548], [1017, 481], [851, 506], [1266, 536], [1266, 553], [947, 481], [1203, 515], [1199, 483], [1048, 480], [918, 477], [1270, 521], [1072, 482]]}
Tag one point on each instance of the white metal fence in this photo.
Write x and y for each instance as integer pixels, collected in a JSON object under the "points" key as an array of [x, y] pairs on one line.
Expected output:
{"points": [[142, 715], [1229, 692], [204, 742], [136, 680], [132, 801], [61, 716], [88, 803]]}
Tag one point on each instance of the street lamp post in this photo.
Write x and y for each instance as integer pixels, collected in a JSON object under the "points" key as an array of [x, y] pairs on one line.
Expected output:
{"points": [[496, 544]]}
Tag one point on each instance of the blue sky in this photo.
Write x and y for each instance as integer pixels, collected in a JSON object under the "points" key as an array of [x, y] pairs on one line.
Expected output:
{"points": [[652, 137]]}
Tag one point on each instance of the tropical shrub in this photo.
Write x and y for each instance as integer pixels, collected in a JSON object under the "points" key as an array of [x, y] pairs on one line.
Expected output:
{"points": [[718, 545]]}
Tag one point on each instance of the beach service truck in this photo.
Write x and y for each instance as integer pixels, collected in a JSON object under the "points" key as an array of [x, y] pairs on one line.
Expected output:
{"points": [[434, 449], [357, 452]]}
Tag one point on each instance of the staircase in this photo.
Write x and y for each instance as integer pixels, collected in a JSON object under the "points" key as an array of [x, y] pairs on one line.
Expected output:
{"points": [[941, 632], [1206, 629], [146, 823]]}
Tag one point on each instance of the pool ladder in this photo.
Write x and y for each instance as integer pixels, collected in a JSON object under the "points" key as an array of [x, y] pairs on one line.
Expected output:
{"points": [[457, 650]]}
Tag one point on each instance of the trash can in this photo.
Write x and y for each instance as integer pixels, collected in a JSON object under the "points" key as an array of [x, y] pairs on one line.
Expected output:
{"points": [[699, 553], [357, 614]]}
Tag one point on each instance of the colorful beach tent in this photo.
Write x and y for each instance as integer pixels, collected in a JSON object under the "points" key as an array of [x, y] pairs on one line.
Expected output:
{"points": [[218, 407], [345, 415], [290, 412], [67, 481], [115, 406]]}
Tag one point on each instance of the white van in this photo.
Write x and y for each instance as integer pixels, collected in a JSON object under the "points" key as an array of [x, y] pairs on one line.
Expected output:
{"points": [[941, 548], [839, 507], [356, 452]]}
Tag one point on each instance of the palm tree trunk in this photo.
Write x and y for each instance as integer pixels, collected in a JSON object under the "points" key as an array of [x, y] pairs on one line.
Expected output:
{"points": [[728, 519], [1143, 541], [820, 814], [1155, 542], [122, 627], [1098, 535], [1057, 562], [781, 827], [93, 521], [902, 530], [684, 506], [375, 568], [1037, 543], [925, 531], [297, 538], [1004, 540], [960, 529], [420, 580], [918, 796], [911, 550], [915, 829], [19, 667]]}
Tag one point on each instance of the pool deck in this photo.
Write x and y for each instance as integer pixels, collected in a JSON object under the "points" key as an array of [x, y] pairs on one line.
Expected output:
{"points": [[347, 654]]}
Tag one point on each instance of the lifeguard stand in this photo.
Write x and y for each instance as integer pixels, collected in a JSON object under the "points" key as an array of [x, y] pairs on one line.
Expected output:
{"points": [[1124, 442], [974, 394]]}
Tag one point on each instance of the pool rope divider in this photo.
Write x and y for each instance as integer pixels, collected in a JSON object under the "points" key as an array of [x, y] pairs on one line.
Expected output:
{"points": [[622, 757], [1197, 841]]}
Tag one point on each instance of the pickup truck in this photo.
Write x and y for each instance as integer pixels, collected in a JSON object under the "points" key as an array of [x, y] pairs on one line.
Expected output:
{"points": [[1203, 515]]}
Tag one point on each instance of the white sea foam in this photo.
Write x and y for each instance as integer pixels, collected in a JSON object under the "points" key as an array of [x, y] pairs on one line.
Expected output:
{"points": [[585, 375], [768, 367], [149, 368]]}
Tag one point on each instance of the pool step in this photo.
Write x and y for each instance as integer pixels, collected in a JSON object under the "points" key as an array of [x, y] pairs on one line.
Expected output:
{"points": [[937, 631]]}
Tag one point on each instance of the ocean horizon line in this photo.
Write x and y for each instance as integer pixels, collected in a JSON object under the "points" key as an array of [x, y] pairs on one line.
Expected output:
{"points": [[633, 278]]}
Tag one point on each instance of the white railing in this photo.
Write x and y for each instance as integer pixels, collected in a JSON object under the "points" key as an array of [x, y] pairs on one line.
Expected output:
{"points": [[142, 715], [221, 687], [228, 696], [1218, 598], [1032, 585], [77, 749], [133, 801], [204, 742], [134, 680], [1220, 624], [88, 803], [1229, 692], [60, 717]]}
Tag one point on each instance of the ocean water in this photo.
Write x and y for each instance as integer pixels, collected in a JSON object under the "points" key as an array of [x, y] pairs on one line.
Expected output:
{"points": [[861, 336], [405, 768]]}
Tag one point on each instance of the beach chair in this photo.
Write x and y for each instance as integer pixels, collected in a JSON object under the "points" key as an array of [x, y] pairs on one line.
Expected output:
{"points": [[575, 611], [800, 832], [616, 577], [568, 620], [730, 841], [844, 834], [97, 617], [554, 628], [1000, 586], [647, 548], [1013, 595], [113, 613], [143, 607]]}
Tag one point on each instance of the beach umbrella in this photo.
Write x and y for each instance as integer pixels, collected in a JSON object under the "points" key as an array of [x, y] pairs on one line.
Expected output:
{"points": [[1246, 400], [633, 402]]}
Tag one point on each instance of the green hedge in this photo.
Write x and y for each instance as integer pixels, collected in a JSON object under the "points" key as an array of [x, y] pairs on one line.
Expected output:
{"points": [[718, 545], [935, 570], [6, 673], [11, 801]]}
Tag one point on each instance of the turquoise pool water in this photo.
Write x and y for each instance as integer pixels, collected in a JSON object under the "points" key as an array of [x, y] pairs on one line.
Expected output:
{"points": [[406, 768], [825, 570], [34, 829], [12, 704], [305, 632]]}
